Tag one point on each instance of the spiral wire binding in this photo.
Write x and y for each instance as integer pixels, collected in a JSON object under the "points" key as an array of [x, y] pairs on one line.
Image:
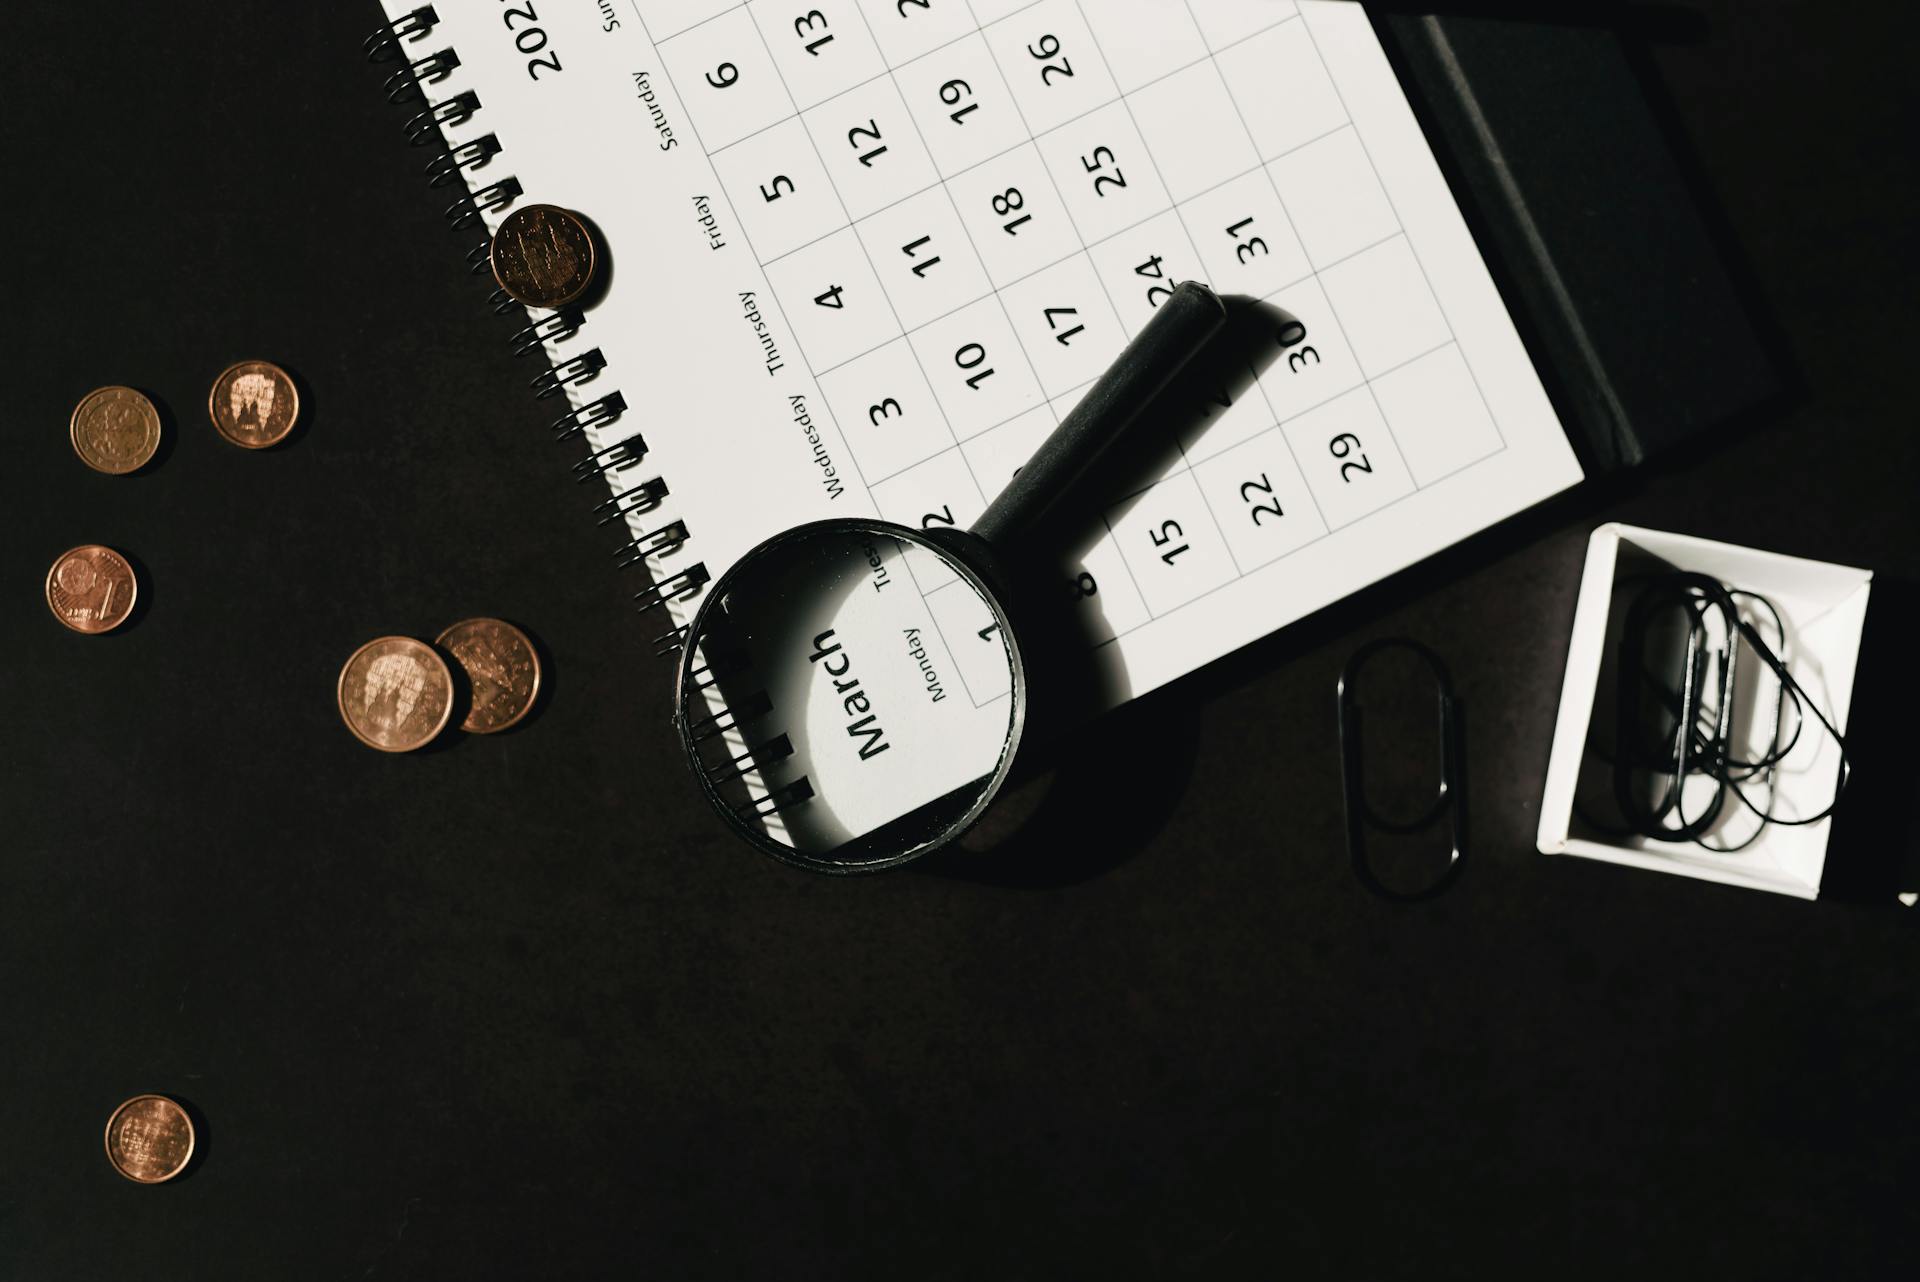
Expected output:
{"points": [[458, 163], [558, 378], [620, 454], [643, 497], [554, 328], [424, 127], [384, 44], [409, 83], [450, 165], [465, 211]]}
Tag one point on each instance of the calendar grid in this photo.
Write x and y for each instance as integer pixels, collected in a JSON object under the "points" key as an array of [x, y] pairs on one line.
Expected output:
{"points": [[1031, 4], [694, 127], [1318, 538], [1079, 388], [1076, 253], [913, 573], [1240, 116], [1186, 464], [979, 490], [1225, 182], [1202, 159], [1425, 276]]}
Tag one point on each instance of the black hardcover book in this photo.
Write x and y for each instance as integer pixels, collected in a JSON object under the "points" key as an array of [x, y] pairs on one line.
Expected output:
{"points": [[1584, 212]]}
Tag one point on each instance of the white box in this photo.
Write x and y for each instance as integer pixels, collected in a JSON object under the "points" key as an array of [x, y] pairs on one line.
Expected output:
{"points": [[1823, 608]]}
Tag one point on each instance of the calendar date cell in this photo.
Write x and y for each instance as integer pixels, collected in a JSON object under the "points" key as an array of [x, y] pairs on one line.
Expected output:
{"points": [[833, 300], [924, 258], [1141, 266], [1051, 63], [727, 80], [1171, 545], [1065, 323], [1148, 453], [1286, 96], [1101, 590], [963, 107], [969, 632], [1300, 351], [934, 495], [871, 147], [977, 367], [778, 188], [1214, 400], [1145, 39], [1104, 172], [1245, 240], [1334, 197], [822, 47], [886, 411], [666, 19], [1194, 130], [908, 28], [1259, 499], [1228, 22], [1014, 213], [1349, 457], [997, 454], [1439, 419]]}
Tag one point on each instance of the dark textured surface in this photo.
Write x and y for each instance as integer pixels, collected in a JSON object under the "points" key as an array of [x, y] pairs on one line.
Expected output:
{"points": [[520, 1008]]}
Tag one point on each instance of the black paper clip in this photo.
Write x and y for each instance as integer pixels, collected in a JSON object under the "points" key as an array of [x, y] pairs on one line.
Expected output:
{"points": [[1449, 801]]}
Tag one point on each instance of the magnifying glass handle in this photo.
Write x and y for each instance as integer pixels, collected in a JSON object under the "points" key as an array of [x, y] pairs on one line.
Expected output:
{"points": [[1179, 329]]}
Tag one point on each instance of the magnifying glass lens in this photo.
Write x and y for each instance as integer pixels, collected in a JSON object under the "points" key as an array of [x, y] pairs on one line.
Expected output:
{"points": [[849, 695]]}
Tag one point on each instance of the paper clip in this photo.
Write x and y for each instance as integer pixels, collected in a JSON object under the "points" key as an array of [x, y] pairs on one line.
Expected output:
{"points": [[1449, 801]]}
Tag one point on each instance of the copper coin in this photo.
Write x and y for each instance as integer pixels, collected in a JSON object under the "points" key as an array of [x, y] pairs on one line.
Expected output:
{"points": [[91, 589], [502, 670], [544, 256], [395, 694], [253, 404], [149, 1139], [115, 430]]}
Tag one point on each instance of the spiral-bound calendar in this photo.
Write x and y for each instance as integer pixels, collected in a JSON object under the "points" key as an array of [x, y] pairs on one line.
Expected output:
{"points": [[866, 253]]}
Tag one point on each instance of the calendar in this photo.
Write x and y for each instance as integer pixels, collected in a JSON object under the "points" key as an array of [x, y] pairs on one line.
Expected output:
{"points": [[866, 254]]}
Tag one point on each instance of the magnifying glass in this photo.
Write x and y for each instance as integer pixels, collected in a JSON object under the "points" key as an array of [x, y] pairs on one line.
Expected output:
{"points": [[852, 692]]}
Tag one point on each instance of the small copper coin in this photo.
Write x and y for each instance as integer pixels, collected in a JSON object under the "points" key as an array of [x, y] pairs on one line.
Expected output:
{"points": [[544, 256], [115, 430], [253, 404], [502, 669], [91, 589], [149, 1139], [395, 694]]}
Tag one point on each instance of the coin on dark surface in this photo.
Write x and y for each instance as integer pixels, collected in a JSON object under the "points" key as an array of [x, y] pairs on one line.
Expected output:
{"points": [[544, 256], [91, 589], [253, 404], [115, 430], [149, 1139], [395, 694], [502, 670]]}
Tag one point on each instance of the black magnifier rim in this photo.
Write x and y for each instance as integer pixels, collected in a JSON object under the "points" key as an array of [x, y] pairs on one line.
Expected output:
{"points": [[948, 552]]}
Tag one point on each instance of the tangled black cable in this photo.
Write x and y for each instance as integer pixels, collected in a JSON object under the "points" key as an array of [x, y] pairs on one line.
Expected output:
{"points": [[1671, 731]]}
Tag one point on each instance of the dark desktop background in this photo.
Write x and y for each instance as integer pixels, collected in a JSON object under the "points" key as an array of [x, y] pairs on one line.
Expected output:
{"points": [[519, 1007]]}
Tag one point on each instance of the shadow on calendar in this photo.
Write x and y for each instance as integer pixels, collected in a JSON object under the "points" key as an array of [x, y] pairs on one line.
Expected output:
{"points": [[1058, 824]]}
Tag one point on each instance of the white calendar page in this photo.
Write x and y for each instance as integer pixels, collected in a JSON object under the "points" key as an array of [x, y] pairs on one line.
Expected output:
{"points": [[867, 253]]}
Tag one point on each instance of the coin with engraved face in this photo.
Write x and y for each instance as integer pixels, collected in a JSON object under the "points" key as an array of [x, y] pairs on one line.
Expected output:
{"points": [[544, 256], [395, 694], [253, 404], [115, 430], [149, 1139], [503, 672], [91, 589]]}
